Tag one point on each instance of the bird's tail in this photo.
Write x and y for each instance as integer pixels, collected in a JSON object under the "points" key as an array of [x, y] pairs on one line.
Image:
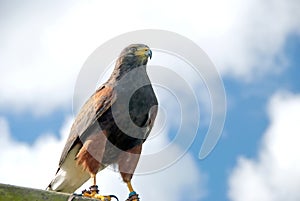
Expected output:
{"points": [[68, 181], [69, 176]]}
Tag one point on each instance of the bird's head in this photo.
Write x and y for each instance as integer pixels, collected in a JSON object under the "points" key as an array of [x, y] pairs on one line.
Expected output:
{"points": [[131, 57], [135, 55]]}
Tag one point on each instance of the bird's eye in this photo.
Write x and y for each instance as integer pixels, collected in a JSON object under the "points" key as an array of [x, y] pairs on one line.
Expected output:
{"points": [[133, 49]]}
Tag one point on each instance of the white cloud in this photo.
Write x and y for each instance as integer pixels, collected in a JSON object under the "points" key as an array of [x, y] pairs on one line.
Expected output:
{"points": [[25, 165], [34, 166], [243, 38], [275, 174], [43, 46]]}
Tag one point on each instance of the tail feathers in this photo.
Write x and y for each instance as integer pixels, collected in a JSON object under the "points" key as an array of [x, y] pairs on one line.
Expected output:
{"points": [[68, 182], [69, 177]]}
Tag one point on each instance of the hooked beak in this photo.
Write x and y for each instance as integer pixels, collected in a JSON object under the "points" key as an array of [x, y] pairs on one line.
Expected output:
{"points": [[149, 53]]}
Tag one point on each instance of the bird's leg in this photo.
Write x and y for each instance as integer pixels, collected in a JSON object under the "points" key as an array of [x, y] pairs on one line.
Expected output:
{"points": [[133, 196], [93, 177], [89, 157], [129, 186], [93, 192], [127, 163], [93, 188]]}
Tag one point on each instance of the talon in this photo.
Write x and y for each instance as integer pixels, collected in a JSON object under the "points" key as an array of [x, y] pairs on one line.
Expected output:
{"points": [[93, 193]]}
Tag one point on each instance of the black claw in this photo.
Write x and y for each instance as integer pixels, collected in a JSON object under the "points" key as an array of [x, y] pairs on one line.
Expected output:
{"points": [[94, 188], [113, 196]]}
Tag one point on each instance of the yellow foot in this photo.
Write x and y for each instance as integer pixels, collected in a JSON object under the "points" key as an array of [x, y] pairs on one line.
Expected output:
{"points": [[93, 193], [133, 196]]}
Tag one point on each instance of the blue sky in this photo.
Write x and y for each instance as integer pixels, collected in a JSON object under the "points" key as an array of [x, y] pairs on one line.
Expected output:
{"points": [[257, 57]]}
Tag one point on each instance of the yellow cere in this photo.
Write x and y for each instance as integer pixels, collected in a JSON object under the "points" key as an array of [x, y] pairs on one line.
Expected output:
{"points": [[142, 51]]}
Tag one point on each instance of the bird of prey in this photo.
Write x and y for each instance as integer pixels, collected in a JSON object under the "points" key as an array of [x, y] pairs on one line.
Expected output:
{"points": [[111, 126]]}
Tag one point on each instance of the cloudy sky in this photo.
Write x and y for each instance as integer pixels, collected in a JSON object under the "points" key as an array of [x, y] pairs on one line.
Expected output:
{"points": [[255, 47]]}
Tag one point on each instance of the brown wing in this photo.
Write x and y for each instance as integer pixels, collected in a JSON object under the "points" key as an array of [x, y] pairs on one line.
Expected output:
{"points": [[95, 106]]}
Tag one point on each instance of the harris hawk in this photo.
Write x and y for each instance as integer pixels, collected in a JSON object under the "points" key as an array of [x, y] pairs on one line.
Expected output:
{"points": [[111, 126]]}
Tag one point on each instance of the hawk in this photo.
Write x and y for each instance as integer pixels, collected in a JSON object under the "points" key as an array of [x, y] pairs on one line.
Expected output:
{"points": [[111, 126]]}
